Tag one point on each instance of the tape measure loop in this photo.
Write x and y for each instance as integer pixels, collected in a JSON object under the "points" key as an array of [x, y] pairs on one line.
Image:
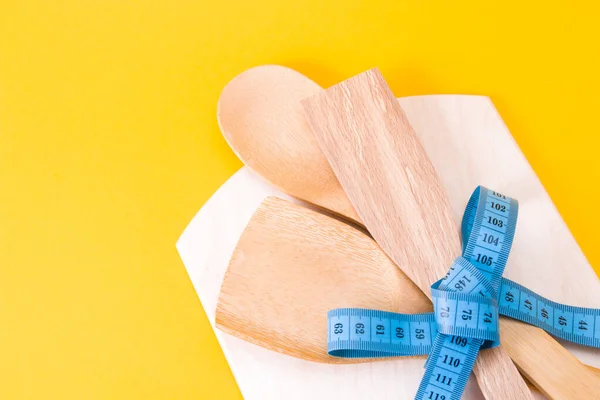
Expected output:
{"points": [[466, 315], [467, 303]]}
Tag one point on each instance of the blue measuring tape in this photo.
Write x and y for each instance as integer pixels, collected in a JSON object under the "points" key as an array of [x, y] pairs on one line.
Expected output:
{"points": [[467, 302]]}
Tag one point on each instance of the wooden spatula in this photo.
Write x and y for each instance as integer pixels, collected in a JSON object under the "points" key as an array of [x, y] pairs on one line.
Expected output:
{"points": [[377, 156], [292, 265]]}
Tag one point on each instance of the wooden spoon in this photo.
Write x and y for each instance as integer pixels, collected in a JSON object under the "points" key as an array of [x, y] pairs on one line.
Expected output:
{"points": [[261, 118]]}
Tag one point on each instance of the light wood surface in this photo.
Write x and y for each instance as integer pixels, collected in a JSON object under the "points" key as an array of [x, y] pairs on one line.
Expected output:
{"points": [[292, 265], [385, 171], [466, 154]]}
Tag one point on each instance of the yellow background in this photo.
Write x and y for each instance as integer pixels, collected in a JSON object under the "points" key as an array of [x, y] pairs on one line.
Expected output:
{"points": [[109, 145]]}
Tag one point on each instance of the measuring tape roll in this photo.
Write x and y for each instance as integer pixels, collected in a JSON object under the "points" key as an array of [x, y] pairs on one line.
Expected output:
{"points": [[466, 307]]}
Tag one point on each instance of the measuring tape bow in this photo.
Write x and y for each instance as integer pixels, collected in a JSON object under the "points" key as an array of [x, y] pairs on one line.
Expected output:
{"points": [[467, 302]]}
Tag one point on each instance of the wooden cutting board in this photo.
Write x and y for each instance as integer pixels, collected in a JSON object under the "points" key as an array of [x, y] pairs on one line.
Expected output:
{"points": [[450, 127]]}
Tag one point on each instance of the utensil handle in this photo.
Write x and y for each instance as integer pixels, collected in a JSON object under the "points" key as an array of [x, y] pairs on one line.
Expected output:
{"points": [[546, 363], [375, 154]]}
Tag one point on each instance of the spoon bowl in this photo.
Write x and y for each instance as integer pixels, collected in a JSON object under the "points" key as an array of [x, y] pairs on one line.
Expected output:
{"points": [[259, 115]]}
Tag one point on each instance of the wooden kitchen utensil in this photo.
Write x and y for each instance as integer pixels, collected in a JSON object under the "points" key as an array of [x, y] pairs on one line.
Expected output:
{"points": [[292, 265], [457, 132], [377, 156], [260, 116]]}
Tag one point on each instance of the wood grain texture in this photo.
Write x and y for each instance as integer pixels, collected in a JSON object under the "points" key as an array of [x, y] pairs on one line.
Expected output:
{"points": [[579, 383], [376, 156], [260, 117], [291, 266]]}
